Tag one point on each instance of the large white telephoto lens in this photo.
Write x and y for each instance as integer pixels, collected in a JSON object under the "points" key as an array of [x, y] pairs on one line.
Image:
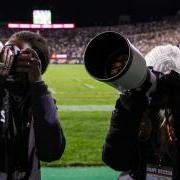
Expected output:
{"points": [[111, 58]]}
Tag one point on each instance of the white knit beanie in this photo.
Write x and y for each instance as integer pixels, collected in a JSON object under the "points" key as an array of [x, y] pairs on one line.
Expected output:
{"points": [[164, 58]]}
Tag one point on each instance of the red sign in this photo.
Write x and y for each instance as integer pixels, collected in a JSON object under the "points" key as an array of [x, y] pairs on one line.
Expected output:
{"points": [[41, 26]]}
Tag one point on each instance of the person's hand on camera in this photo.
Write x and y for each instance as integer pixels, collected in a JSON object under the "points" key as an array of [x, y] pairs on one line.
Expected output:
{"points": [[6, 61], [141, 96], [29, 62], [132, 100]]}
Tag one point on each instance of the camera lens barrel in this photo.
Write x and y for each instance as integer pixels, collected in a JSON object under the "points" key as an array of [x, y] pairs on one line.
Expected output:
{"points": [[111, 58]]}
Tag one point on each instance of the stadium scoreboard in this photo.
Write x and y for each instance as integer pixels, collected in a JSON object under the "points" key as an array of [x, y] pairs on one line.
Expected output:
{"points": [[41, 17]]}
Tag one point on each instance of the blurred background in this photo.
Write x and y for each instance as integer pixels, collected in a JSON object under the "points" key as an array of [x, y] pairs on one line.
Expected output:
{"points": [[85, 105]]}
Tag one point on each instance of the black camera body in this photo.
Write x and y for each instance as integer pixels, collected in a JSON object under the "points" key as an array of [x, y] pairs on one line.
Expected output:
{"points": [[16, 51], [9, 56]]}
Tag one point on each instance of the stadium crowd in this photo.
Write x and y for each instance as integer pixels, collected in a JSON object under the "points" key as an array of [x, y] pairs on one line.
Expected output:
{"points": [[72, 42]]}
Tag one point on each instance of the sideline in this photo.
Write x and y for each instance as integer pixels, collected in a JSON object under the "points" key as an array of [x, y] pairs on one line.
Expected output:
{"points": [[79, 173], [85, 107]]}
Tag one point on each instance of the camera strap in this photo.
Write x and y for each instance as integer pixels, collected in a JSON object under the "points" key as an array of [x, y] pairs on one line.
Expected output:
{"points": [[4, 114], [4, 123]]}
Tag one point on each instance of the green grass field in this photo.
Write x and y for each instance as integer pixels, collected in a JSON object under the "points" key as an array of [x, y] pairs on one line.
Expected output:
{"points": [[84, 131]]}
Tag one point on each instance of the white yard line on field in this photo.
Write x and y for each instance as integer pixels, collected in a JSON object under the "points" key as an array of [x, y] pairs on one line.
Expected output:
{"points": [[76, 79], [89, 86], [85, 107]]}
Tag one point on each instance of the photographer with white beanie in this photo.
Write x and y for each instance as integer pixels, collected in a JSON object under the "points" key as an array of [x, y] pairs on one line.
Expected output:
{"points": [[144, 135]]}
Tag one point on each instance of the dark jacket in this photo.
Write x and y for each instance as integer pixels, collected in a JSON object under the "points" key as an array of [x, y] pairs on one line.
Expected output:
{"points": [[34, 133], [124, 150]]}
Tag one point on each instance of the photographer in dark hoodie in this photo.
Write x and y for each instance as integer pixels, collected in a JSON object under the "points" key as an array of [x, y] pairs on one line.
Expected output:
{"points": [[29, 127], [144, 135]]}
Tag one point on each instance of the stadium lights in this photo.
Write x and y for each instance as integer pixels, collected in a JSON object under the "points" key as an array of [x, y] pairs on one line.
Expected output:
{"points": [[41, 26]]}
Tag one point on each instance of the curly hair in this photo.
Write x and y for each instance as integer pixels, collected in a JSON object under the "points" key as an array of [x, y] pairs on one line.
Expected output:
{"points": [[37, 42]]}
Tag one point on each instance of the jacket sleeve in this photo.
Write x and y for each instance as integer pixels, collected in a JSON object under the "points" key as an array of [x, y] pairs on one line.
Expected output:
{"points": [[49, 138], [120, 147]]}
